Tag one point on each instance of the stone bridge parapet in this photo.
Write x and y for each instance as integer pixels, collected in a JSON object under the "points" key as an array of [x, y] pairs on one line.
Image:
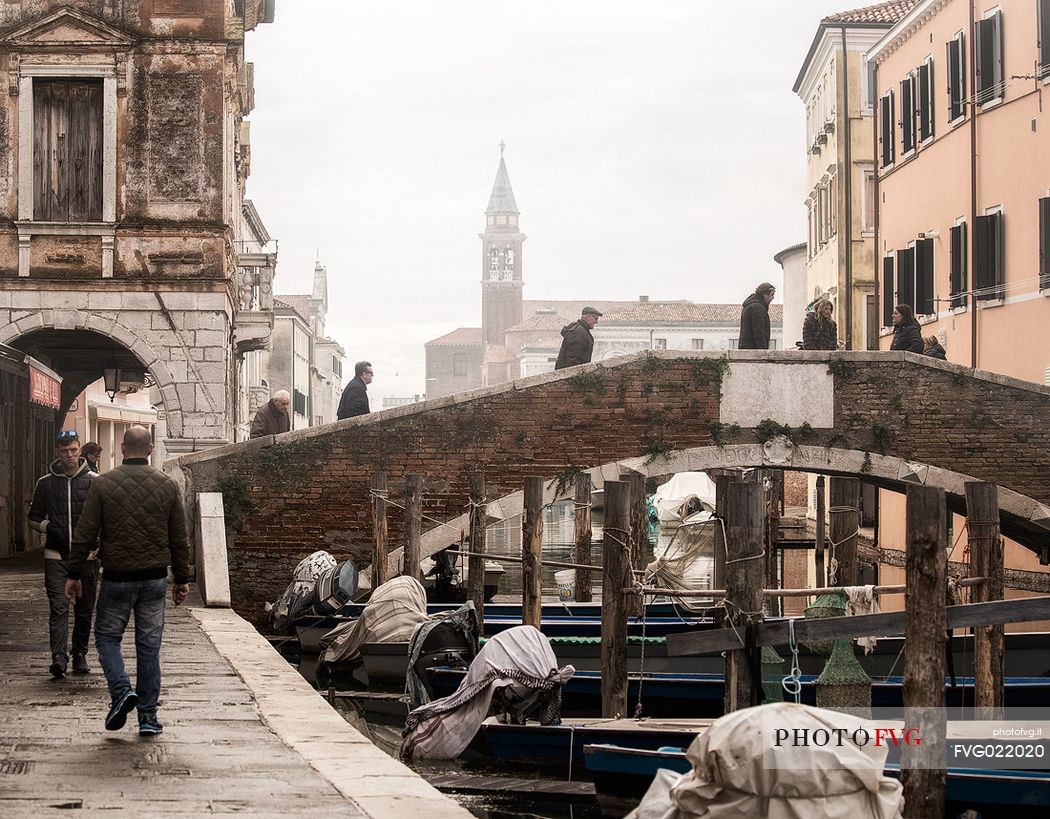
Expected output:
{"points": [[890, 418]]}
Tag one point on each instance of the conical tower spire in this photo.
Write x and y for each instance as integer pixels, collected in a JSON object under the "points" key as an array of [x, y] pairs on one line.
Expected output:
{"points": [[502, 198]]}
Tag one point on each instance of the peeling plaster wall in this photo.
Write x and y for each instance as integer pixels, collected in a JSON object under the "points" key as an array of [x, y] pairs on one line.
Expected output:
{"points": [[178, 96]]}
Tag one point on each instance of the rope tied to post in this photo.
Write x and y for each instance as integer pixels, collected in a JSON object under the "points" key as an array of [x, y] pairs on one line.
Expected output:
{"points": [[792, 683]]}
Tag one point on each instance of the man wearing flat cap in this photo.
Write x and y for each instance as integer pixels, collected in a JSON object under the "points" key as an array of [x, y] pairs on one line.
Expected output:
{"points": [[577, 343]]}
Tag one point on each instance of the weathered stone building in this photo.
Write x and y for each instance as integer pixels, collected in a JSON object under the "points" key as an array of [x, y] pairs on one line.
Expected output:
{"points": [[123, 159]]}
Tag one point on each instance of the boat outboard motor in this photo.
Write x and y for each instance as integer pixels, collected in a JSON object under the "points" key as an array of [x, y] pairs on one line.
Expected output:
{"points": [[445, 573], [335, 588], [299, 594]]}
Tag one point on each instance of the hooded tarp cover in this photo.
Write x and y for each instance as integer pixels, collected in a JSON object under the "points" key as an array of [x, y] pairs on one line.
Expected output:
{"points": [[734, 772], [300, 592], [392, 614], [521, 659]]}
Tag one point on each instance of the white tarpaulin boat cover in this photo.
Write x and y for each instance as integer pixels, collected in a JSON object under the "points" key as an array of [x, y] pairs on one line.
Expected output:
{"points": [[738, 772], [392, 614], [669, 497], [518, 662]]}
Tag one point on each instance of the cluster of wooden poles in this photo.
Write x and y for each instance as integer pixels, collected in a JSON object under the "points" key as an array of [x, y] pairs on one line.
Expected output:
{"points": [[745, 578]]}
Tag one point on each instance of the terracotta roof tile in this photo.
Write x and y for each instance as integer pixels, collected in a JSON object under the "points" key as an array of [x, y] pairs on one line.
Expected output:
{"points": [[541, 321], [299, 303], [497, 354], [891, 12], [461, 335]]}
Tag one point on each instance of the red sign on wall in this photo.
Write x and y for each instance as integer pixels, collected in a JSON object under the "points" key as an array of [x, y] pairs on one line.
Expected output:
{"points": [[44, 389]]}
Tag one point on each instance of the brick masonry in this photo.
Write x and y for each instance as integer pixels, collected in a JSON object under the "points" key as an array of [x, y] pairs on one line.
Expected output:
{"points": [[656, 413]]}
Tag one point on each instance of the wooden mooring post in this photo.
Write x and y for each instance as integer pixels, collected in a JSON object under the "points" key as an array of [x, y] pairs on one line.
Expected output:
{"points": [[639, 530], [745, 518], [413, 523], [842, 529], [476, 561], [926, 621], [380, 531], [822, 512], [531, 560], [718, 575], [986, 560], [616, 576], [582, 509]]}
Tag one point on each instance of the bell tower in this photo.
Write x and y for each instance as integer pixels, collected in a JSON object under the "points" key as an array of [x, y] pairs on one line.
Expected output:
{"points": [[501, 281]]}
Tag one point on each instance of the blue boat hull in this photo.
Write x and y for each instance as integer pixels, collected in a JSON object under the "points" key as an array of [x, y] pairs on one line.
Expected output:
{"points": [[622, 775], [702, 695]]}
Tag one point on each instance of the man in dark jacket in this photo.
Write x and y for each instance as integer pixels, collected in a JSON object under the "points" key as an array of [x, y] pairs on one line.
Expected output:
{"points": [[272, 417], [577, 343], [754, 319], [57, 503], [138, 512], [354, 400]]}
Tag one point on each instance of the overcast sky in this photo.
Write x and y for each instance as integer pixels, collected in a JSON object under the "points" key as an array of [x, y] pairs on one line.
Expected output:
{"points": [[655, 147]]}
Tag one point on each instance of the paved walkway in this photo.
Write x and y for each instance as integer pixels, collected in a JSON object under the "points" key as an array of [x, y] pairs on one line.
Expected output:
{"points": [[243, 732]]}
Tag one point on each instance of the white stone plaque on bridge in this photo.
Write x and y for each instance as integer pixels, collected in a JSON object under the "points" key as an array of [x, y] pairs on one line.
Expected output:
{"points": [[790, 394]]}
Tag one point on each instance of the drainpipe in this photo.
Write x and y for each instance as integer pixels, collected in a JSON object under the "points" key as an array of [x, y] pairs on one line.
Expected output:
{"points": [[973, 186], [849, 193], [877, 207]]}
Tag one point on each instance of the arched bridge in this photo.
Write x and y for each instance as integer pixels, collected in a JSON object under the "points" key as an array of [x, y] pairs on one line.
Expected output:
{"points": [[889, 418]]}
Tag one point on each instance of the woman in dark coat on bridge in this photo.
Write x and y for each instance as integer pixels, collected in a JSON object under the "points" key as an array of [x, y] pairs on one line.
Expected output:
{"points": [[906, 333], [819, 330]]}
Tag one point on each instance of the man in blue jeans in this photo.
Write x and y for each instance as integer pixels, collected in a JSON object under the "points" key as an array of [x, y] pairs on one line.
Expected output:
{"points": [[135, 512]]}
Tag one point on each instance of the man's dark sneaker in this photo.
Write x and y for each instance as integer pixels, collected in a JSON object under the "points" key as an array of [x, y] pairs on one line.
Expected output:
{"points": [[149, 725], [118, 712], [80, 665], [58, 668]]}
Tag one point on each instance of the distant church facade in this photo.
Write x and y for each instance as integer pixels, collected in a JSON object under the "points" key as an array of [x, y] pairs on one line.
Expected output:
{"points": [[520, 337]]}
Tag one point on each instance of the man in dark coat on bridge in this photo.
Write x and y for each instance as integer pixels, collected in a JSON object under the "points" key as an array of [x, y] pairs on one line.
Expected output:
{"points": [[272, 417], [754, 319], [354, 400], [577, 342]]}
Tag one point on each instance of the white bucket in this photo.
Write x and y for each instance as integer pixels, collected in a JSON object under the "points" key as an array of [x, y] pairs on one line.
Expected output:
{"points": [[566, 580]]}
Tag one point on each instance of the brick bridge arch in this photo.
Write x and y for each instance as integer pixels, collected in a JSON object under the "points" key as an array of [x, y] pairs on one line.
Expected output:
{"points": [[889, 418]]}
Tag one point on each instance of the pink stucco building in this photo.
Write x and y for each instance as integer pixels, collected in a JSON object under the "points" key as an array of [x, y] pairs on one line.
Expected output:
{"points": [[963, 194]]}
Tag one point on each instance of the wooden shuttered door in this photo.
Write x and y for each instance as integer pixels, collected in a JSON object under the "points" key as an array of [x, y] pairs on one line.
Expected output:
{"points": [[906, 277], [886, 129], [907, 114], [924, 277], [988, 256], [959, 264], [887, 291], [67, 151], [956, 78]]}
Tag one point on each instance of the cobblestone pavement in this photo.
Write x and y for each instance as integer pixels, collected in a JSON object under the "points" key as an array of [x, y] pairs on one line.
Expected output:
{"points": [[217, 755]]}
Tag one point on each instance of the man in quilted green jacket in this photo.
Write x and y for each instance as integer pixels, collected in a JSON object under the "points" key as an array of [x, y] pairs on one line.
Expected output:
{"points": [[135, 512]]}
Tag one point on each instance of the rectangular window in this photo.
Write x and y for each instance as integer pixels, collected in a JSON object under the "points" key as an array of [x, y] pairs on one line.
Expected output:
{"points": [[990, 58], [67, 150], [906, 277], [867, 205], [298, 402], [1044, 243], [926, 100], [659, 343], [960, 262], [887, 291], [907, 120], [924, 304], [733, 342], [869, 89], [459, 364], [956, 77], [698, 344], [1044, 38], [887, 133], [988, 256]]}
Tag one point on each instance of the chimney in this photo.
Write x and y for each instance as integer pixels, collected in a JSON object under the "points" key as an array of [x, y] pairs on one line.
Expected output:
{"points": [[643, 298]]}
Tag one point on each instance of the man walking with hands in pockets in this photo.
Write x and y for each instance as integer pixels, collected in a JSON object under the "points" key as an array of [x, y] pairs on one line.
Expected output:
{"points": [[136, 512]]}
